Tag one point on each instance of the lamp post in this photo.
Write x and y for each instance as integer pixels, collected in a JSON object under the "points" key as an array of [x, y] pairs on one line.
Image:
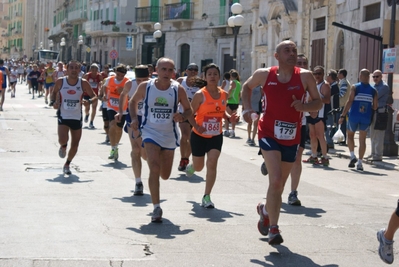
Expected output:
{"points": [[235, 22], [50, 44], [157, 36], [62, 44], [80, 43]]}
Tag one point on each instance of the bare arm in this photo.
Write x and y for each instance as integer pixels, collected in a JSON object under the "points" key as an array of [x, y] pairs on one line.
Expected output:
{"points": [[183, 100], [195, 104], [258, 78], [326, 92], [123, 96], [53, 97], [314, 103], [134, 103]]}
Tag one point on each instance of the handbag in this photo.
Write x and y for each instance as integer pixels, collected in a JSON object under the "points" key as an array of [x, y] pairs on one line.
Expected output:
{"points": [[381, 121]]}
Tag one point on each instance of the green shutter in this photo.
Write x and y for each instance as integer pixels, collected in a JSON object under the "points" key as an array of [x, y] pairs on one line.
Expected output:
{"points": [[115, 13], [107, 14], [154, 10], [186, 13], [222, 12]]}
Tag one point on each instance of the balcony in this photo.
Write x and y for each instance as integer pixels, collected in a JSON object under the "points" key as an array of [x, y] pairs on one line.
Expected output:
{"points": [[18, 32], [77, 16], [67, 26], [18, 14], [5, 34], [56, 31], [147, 16], [120, 29], [95, 28], [179, 13], [6, 17]]}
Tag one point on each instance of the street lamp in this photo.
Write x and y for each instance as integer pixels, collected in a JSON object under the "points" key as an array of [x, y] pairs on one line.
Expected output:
{"points": [[157, 36], [80, 43], [235, 22], [51, 44], [62, 44]]}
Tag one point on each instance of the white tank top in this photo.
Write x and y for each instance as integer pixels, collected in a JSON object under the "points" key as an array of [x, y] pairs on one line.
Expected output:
{"points": [[158, 124], [133, 89], [321, 111], [71, 100]]}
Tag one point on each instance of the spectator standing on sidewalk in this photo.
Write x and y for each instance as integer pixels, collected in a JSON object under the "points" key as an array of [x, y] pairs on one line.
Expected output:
{"points": [[331, 118], [377, 135], [344, 92], [316, 121], [363, 99], [285, 87], [233, 103]]}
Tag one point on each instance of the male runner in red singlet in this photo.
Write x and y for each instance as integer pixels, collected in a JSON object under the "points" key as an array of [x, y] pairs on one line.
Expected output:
{"points": [[284, 87], [94, 78]]}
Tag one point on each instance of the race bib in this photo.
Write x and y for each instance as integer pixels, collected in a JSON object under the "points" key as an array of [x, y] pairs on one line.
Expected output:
{"points": [[212, 125], [114, 102], [70, 104], [93, 85], [161, 115], [284, 130]]}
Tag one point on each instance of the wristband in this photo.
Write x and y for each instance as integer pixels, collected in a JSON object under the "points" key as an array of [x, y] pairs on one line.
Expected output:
{"points": [[342, 117]]}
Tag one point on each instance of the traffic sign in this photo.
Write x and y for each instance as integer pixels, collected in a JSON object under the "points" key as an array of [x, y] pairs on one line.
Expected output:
{"points": [[388, 60], [88, 50], [129, 42], [113, 54]]}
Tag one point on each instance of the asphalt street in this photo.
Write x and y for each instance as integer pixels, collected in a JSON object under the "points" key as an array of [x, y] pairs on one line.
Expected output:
{"points": [[91, 218]]}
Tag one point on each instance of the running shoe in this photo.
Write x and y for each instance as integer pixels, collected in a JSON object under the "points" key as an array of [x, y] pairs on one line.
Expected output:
{"points": [[138, 189], [263, 223], [207, 203], [91, 126], [66, 170], [190, 170], [352, 162], [232, 134], [274, 236], [293, 199], [45, 101], [312, 160], [263, 169], [249, 141], [325, 161], [87, 118], [157, 215], [359, 167], [226, 133], [107, 139], [183, 164], [385, 249], [62, 151], [114, 154]]}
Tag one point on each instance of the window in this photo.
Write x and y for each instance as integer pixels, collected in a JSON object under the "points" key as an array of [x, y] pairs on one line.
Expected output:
{"points": [[372, 12], [320, 24], [115, 12], [107, 14]]}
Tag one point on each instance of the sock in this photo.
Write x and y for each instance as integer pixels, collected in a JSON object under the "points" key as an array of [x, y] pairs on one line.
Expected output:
{"points": [[113, 147], [360, 161], [314, 155], [157, 205], [138, 180], [264, 210], [352, 154], [67, 162]]}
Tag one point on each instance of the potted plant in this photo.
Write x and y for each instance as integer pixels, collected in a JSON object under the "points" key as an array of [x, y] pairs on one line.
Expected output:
{"points": [[128, 23], [115, 29], [112, 22]]}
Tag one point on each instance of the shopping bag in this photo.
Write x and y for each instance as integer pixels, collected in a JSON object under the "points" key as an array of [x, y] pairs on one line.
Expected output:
{"points": [[338, 136]]}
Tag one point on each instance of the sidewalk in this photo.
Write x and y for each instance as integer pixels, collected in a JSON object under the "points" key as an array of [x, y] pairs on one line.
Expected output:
{"points": [[390, 163]]}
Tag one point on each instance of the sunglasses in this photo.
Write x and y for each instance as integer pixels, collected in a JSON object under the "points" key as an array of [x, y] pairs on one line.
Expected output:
{"points": [[192, 69], [317, 73], [376, 76]]}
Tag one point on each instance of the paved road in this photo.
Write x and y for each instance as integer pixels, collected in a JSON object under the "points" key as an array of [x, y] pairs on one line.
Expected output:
{"points": [[93, 219]]}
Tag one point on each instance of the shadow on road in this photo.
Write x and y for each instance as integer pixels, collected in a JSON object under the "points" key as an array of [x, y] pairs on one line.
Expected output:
{"points": [[116, 165], [137, 201], [71, 179], [193, 179], [302, 210], [285, 257], [212, 215], [164, 230]]}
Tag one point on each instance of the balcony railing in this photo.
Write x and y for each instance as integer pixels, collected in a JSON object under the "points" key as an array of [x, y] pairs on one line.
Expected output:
{"points": [[77, 16], [148, 14], [18, 14], [179, 11], [6, 17]]}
